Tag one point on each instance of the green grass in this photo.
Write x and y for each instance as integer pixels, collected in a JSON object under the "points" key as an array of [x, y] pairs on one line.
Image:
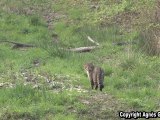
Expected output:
{"points": [[131, 76], [23, 99]]}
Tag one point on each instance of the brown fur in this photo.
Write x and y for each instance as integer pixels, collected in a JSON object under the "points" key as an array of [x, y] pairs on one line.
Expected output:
{"points": [[95, 75]]}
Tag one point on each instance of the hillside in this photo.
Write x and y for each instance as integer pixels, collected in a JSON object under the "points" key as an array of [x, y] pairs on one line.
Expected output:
{"points": [[45, 80]]}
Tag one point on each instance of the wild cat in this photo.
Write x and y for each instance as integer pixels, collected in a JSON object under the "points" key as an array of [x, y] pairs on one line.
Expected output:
{"points": [[95, 75]]}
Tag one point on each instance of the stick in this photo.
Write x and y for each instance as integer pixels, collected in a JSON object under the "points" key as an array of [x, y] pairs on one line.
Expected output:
{"points": [[18, 45], [90, 39], [82, 49]]}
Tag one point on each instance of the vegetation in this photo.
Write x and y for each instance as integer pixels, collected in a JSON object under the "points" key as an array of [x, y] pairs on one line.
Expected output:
{"points": [[47, 82]]}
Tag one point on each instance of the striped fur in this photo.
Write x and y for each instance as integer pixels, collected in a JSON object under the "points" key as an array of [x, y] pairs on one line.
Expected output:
{"points": [[95, 75]]}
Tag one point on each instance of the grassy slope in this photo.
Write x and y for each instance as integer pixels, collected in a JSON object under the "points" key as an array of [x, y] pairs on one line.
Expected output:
{"points": [[131, 76]]}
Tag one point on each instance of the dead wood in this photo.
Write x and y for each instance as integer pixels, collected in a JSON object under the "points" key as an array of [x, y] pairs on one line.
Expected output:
{"points": [[91, 40], [82, 49], [79, 49], [124, 43], [85, 49], [18, 45]]}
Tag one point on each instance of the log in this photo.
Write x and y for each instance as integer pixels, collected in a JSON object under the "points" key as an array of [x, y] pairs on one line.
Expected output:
{"points": [[82, 49]]}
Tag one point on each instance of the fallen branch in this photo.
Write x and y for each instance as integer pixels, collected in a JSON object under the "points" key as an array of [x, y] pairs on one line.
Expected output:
{"points": [[18, 45], [85, 49], [124, 43], [90, 39], [82, 49]]}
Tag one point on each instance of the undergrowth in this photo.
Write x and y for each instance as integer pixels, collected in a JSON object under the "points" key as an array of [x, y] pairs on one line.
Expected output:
{"points": [[131, 75]]}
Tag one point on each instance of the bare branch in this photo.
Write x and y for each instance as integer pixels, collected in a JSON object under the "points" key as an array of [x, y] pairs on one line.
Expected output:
{"points": [[18, 45], [82, 49], [90, 39]]}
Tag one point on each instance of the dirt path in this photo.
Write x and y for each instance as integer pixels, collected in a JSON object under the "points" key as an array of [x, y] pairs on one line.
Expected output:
{"points": [[101, 106]]}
